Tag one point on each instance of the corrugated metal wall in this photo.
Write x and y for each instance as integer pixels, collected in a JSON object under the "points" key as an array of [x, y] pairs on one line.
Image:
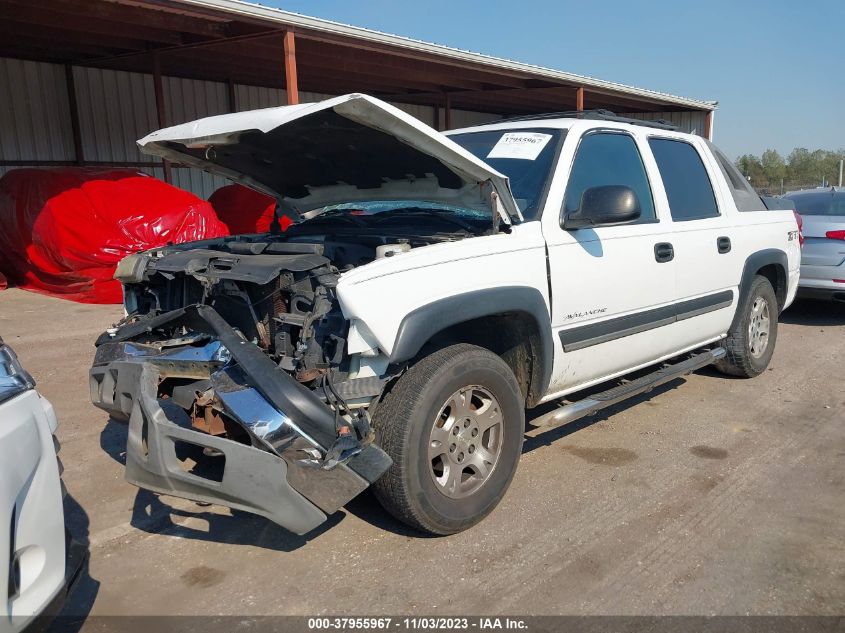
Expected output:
{"points": [[34, 112], [684, 121], [254, 97], [116, 108], [465, 118]]}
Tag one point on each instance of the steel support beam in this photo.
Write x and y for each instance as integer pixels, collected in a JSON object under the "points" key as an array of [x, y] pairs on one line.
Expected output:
{"points": [[86, 163], [291, 85], [192, 45], [161, 111], [231, 96], [74, 115]]}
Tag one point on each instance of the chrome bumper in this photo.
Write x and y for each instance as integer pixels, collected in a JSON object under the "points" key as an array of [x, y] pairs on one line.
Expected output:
{"points": [[281, 476]]}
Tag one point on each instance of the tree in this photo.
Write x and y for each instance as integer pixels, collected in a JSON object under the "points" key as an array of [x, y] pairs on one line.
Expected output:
{"points": [[752, 168], [773, 166], [802, 168], [828, 165]]}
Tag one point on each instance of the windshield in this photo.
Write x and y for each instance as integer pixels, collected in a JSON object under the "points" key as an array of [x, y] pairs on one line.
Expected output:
{"points": [[382, 206], [384, 213], [819, 202], [526, 156]]}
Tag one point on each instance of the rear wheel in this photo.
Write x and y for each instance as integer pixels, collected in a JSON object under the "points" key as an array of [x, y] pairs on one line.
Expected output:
{"points": [[751, 342], [453, 425]]}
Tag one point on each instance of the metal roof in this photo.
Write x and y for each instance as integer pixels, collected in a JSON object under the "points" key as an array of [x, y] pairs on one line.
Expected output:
{"points": [[287, 18], [238, 43]]}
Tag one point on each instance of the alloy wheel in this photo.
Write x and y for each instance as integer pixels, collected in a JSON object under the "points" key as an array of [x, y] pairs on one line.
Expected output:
{"points": [[465, 441], [758, 327]]}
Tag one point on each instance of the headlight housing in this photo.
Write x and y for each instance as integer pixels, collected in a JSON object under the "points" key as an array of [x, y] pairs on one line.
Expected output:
{"points": [[14, 380], [130, 269]]}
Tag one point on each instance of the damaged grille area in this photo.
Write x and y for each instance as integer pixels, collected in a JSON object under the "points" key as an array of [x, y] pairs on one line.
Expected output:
{"points": [[282, 302]]}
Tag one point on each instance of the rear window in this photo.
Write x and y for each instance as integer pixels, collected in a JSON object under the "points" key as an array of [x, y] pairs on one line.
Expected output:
{"points": [[819, 202], [743, 193], [685, 180]]}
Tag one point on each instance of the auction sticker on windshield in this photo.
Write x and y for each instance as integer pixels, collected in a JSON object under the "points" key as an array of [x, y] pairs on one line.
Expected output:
{"points": [[520, 145]]}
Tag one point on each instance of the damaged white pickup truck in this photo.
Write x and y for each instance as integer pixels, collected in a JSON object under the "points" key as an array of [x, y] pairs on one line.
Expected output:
{"points": [[430, 289]]}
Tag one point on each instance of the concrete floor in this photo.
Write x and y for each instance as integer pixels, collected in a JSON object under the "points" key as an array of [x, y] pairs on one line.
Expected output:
{"points": [[711, 496]]}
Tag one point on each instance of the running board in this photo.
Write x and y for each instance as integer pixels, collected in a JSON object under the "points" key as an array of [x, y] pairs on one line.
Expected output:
{"points": [[575, 410]]}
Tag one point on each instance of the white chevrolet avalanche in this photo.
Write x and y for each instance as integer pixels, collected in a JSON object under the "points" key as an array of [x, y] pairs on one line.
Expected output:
{"points": [[418, 293]]}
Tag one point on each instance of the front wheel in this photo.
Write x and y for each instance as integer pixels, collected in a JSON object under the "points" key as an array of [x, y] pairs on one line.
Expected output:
{"points": [[453, 425], [751, 341]]}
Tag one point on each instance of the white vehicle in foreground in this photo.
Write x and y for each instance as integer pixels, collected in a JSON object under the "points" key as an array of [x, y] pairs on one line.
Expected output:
{"points": [[35, 569], [431, 288]]}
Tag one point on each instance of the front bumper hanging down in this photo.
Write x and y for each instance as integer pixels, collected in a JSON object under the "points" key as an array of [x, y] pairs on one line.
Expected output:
{"points": [[282, 476]]}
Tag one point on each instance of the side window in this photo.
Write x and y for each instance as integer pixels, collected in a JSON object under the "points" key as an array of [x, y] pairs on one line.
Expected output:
{"points": [[687, 185], [745, 198], [608, 158]]}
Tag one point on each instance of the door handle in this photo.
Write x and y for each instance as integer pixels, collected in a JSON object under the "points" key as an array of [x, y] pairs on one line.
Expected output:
{"points": [[723, 244], [664, 252]]}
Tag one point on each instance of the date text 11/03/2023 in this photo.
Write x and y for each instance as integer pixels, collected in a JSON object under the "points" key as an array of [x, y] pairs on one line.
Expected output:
{"points": [[416, 623]]}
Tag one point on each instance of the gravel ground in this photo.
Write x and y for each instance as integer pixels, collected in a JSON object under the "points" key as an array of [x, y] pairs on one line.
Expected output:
{"points": [[709, 496]]}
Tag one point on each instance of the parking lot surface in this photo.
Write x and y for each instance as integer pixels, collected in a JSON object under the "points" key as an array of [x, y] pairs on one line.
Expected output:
{"points": [[708, 496]]}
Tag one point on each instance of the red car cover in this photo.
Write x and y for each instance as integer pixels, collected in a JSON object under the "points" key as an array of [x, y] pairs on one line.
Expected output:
{"points": [[62, 231], [242, 209]]}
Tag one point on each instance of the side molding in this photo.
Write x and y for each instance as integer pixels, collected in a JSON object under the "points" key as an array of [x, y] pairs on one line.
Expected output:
{"points": [[582, 336], [420, 325]]}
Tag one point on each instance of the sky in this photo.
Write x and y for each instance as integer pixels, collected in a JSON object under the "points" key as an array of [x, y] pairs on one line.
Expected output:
{"points": [[776, 68]]}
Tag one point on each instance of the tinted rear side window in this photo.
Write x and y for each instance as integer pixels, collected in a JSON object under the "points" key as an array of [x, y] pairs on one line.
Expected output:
{"points": [[743, 193], [608, 158], [685, 180]]}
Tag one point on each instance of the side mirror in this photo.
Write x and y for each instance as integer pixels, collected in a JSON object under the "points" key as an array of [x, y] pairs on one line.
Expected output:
{"points": [[608, 204]]}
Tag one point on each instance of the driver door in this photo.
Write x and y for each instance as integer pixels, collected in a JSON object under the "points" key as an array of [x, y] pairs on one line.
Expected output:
{"points": [[613, 286]]}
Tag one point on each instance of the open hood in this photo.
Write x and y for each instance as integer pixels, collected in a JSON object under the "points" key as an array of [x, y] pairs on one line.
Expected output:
{"points": [[345, 149]]}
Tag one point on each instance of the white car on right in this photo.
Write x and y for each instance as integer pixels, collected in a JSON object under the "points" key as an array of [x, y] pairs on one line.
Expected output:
{"points": [[823, 256]]}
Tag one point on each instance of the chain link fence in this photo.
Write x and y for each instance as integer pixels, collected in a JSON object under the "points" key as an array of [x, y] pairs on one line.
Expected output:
{"points": [[769, 189]]}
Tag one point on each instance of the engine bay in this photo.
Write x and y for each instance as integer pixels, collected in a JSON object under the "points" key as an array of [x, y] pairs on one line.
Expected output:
{"points": [[276, 292]]}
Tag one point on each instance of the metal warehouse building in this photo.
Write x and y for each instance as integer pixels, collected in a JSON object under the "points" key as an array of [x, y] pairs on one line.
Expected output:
{"points": [[83, 79]]}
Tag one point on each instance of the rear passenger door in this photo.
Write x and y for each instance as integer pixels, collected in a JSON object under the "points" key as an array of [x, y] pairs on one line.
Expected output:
{"points": [[702, 239]]}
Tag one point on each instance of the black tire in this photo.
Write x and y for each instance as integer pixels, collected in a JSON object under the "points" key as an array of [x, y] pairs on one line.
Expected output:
{"points": [[740, 359], [405, 421]]}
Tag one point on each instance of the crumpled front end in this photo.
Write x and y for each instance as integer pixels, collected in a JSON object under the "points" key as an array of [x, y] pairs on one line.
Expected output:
{"points": [[212, 418]]}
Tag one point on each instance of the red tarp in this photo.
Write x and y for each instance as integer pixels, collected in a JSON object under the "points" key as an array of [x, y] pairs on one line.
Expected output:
{"points": [[242, 209], [62, 231]]}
